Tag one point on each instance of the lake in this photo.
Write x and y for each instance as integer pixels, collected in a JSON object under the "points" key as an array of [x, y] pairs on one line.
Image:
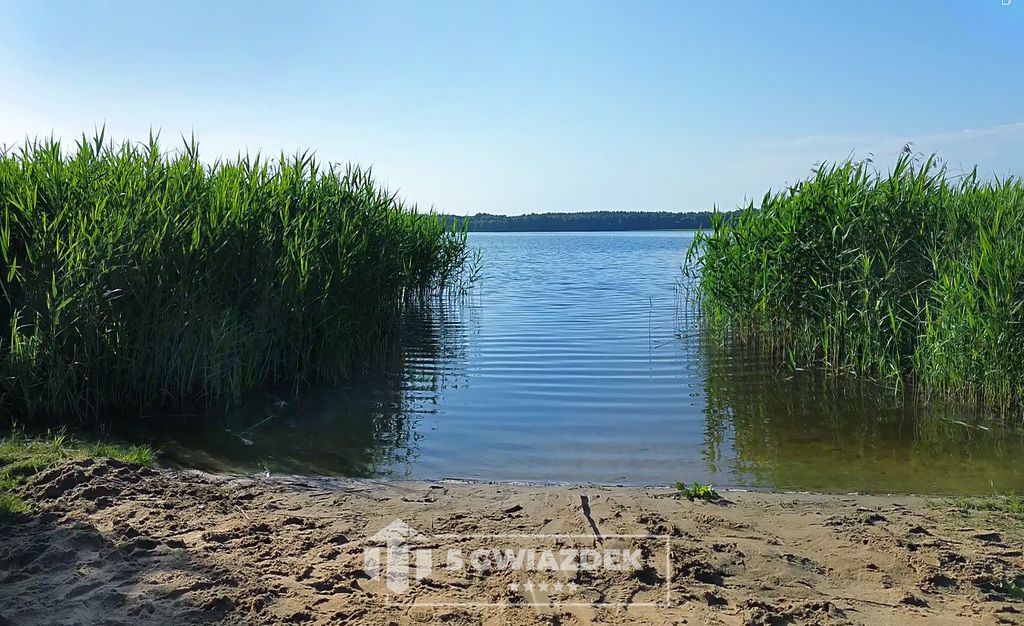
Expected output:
{"points": [[575, 360]]}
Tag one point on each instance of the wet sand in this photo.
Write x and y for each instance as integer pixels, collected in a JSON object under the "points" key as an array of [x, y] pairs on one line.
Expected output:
{"points": [[116, 544]]}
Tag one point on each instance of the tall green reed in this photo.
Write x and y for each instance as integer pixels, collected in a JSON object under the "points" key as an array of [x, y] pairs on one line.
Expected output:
{"points": [[134, 279], [915, 277]]}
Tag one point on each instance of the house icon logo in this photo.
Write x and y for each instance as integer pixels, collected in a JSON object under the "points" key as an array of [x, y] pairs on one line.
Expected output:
{"points": [[392, 555]]}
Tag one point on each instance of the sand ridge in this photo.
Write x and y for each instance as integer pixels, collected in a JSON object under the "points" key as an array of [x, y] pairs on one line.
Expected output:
{"points": [[117, 544]]}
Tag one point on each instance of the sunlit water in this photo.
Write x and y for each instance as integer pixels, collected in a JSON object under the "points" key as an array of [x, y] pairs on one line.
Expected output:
{"points": [[573, 360]]}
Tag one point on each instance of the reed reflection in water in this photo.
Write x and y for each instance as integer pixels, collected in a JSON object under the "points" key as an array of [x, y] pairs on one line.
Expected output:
{"points": [[767, 426], [366, 428]]}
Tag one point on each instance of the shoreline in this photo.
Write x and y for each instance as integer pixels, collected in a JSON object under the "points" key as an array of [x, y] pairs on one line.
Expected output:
{"points": [[119, 544], [297, 479]]}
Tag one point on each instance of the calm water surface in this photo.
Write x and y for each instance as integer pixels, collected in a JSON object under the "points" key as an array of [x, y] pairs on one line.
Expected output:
{"points": [[573, 361]]}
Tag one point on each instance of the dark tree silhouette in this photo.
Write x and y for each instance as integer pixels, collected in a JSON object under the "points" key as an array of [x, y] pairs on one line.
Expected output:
{"points": [[588, 221]]}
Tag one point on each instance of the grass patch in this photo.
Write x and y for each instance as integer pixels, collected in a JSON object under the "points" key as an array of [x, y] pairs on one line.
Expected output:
{"points": [[912, 277], [10, 505], [22, 456], [1011, 505], [133, 279]]}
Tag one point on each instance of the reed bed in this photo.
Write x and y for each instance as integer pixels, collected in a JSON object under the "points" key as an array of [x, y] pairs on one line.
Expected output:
{"points": [[135, 279], [914, 277]]}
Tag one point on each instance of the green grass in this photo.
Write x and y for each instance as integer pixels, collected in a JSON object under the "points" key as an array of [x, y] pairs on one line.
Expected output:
{"points": [[22, 456], [134, 279], [11, 505], [912, 278], [1011, 505]]}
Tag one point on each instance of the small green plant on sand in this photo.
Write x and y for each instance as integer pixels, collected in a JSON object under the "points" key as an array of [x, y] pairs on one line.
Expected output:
{"points": [[22, 456], [698, 491], [1010, 587]]}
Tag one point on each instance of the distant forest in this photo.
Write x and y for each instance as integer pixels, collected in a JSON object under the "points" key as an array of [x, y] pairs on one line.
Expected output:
{"points": [[587, 221]]}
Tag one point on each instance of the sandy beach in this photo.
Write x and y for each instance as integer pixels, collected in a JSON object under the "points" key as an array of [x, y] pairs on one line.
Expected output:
{"points": [[117, 544]]}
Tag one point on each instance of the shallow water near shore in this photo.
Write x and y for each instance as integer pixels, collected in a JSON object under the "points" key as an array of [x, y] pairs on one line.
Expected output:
{"points": [[574, 361]]}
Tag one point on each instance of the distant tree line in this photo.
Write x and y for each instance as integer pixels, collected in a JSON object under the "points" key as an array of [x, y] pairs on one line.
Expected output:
{"points": [[587, 221]]}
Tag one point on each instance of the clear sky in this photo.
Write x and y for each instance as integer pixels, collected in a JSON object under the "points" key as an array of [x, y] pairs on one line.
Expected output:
{"points": [[513, 107]]}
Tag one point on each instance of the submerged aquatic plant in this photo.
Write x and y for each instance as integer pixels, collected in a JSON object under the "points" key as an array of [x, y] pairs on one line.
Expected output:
{"points": [[911, 277], [134, 279]]}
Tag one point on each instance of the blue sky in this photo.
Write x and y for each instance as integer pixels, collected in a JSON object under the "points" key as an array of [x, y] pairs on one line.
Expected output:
{"points": [[533, 106]]}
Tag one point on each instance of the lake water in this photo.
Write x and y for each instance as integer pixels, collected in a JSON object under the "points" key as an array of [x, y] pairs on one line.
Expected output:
{"points": [[573, 360]]}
